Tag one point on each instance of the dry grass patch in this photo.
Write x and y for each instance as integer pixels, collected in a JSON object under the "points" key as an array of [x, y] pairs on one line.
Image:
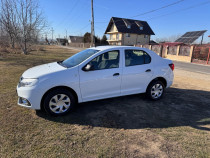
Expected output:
{"points": [[130, 126]]}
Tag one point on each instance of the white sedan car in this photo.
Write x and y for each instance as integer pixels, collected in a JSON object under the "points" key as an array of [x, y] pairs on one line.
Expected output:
{"points": [[92, 74]]}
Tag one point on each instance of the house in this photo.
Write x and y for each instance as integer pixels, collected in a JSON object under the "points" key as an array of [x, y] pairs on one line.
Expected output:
{"points": [[76, 39], [123, 31], [61, 41]]}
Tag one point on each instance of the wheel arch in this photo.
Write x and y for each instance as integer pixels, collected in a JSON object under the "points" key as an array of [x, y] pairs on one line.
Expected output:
{"points": [[162, 79], [58, 87]]}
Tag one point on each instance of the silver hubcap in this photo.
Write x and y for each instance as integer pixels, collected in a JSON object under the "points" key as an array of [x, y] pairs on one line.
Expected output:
{"points": [[157, 91], [59, 103]]}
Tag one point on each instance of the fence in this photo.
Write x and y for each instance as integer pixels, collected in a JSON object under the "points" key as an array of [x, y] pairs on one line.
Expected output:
{"points": [[179, 53], [80, 45], [195, 54], [201, 55]]}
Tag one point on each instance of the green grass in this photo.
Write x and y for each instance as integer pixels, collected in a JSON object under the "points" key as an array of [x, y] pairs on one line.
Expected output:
{"points": [[130, 126]]}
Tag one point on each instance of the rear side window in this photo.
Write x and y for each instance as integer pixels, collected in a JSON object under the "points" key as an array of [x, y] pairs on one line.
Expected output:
{"points": [[136, 57]]}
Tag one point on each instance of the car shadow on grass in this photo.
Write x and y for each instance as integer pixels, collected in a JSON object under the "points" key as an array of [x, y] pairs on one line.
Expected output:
{"points": [[178, 107]]}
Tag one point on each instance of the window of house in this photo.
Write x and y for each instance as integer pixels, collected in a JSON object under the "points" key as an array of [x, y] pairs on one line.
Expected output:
{"points": [[145, 36], [128, 26], [127, 34], [141, 28], [107, 60], [136, 57], [117, 36]]}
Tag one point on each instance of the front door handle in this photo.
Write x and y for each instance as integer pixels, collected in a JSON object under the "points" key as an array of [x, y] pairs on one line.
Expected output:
{"points": [[148, 70], [116, 74]]}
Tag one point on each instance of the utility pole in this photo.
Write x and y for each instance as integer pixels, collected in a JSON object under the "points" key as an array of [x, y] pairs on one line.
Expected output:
{"points": [[92, 27], [52, 33], [66, 35]]}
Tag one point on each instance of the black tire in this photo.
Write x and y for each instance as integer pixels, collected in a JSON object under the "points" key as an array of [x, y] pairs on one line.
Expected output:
{"points": [[150, 88], [56, 92]]}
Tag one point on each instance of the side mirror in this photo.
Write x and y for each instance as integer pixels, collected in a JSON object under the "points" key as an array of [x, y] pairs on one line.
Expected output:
{"points": [[88, 67]]}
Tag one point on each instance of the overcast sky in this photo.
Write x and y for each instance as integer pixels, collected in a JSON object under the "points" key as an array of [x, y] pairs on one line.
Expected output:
{"points": [[166, 17]]}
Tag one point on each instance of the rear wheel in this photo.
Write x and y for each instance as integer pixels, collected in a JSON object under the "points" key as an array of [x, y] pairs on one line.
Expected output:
{"points": [[59, 102], [155, 90]]}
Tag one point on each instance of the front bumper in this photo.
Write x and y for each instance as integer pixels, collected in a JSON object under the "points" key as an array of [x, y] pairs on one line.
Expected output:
{"points": [[32, 95]]}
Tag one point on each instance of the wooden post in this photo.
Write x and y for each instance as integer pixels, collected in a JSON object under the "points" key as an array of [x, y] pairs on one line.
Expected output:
{"points": [[161, 50], [177, 51], [208, 57], [191, 51], [150, 47]]}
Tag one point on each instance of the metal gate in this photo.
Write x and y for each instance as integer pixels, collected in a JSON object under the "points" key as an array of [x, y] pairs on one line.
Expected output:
{"points": [[201, 55]]}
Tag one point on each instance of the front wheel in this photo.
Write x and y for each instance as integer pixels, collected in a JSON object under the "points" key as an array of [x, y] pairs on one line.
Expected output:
{"points": [[155, 90], [59, 102]]}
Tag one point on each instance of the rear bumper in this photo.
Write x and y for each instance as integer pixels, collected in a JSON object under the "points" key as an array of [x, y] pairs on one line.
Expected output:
{"points": [[170, 79]]}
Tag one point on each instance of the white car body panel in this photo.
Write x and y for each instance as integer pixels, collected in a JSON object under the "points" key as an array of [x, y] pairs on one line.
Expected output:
{"points": [[98, 84]]}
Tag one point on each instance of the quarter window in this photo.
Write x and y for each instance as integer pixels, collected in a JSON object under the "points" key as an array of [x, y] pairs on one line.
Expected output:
{"points": [[107, 60], [136, 57]]}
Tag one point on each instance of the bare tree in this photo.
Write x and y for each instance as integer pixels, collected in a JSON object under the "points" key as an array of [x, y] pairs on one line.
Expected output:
{"points": [[23, 21], [7, 20]]}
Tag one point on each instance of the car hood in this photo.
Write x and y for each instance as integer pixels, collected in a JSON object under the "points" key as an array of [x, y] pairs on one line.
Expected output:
{"points": [[38, 71]]}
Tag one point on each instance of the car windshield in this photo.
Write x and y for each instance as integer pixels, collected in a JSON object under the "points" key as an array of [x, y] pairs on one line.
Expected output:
{"points": [[78, 58]]}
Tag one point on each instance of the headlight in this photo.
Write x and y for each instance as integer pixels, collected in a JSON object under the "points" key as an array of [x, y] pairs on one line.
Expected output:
{"points": [[26, 82]]}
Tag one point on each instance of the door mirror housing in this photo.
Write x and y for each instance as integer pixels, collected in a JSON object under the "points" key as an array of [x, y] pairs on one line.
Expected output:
{"points": [[88, 67]]}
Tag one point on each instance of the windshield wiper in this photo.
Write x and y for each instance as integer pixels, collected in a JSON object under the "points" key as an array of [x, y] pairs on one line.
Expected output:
{"points": [[61, 63]]}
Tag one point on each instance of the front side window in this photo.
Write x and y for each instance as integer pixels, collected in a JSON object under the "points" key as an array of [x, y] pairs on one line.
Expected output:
{"points": [[78, 58], [107, 60], [136, 57], [127, 34]]}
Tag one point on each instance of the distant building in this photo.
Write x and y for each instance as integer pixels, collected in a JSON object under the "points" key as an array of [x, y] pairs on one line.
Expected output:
{"points": [[76, 39], [152, 42], [61, 41], [128, 32]]}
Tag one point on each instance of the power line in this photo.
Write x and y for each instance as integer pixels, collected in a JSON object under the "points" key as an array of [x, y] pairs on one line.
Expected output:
{"points": [[184, 9], [194, 6], [154, 10], [70, 11], [82, 28]]}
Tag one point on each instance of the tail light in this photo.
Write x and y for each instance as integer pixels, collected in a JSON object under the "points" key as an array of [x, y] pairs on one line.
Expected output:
{"points": [[172, 66]]}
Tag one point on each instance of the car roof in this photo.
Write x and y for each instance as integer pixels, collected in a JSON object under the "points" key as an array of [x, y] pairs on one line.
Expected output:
{"points": [[112, 47]]}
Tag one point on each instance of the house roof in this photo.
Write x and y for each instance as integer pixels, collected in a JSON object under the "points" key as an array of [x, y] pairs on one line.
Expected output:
{"points": [[121, 24], [152, 42], [76, 39]]}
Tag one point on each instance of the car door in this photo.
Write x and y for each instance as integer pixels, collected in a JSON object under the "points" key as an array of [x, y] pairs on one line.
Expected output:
{"points": [[137, 71], [104, 78]]}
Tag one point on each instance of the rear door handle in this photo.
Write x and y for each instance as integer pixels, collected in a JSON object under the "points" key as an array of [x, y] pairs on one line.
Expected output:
{"points": [[148, 70], [116, 74]]}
